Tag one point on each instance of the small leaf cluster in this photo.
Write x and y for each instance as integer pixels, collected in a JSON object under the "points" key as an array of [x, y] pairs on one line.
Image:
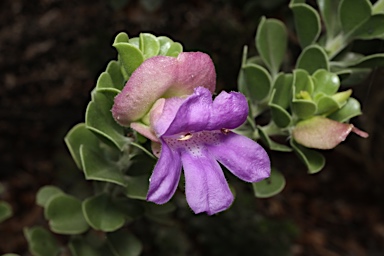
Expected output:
{"points": [[112, 158], [312, 87]]}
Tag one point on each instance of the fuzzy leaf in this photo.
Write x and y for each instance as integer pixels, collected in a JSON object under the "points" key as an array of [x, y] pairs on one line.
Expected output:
{"points": [[101, 214], [311, 158], [130, 56], [271, 43], [174, 50], [353, 14], [137, 187], [313, 58], [41, 242], [98, 167], [307, 23], [270, 186], [46, 193], [349, 110], [328, 10], [149, 45], [325, 82], [165, 44], [123, 243], [64, 215], [114, 70], [255, 82]]}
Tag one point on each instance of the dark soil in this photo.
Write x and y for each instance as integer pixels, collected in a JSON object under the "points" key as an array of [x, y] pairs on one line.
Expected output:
{"points": [[51, 52]]}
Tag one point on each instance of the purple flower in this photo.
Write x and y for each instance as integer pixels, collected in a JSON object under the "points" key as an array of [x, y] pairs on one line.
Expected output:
{"points": [[195, 134]]}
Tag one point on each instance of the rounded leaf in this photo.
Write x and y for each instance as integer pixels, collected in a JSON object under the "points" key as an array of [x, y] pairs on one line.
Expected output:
{"points": [[313, 58], [371, 61], [311, 158], [325, 82], [282, 90], [137, 187], [349, 110], [98, 167], [165, 44], [270, 143], [46, 193], [114, 70], [149, 45], [101, 213], [124, 243], [371, 29], [130, 56], [79, 247], [65, 215], [304, 108], [41, 242], [256, 82], [353, 14], [270, 186], [307, 23], [271, 43], [122, 37], [329, 12]]}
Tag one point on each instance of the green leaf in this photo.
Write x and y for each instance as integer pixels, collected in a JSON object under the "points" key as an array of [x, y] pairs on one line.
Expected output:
{"points": [[114, 70], [149, 45], [46, 193], [271, 43], [270, 186], [122, 37], [304, 108], [65, 215], [370, 61], [174, 50], [353, 14], [378, 7], [313, 58], [282, 86], [349, 110], [101, 213], [302, 82], [353, 76], [371, 29], [130, 56], [280, 116], [137, 187], [10, 254], [78, 135], [79, 247], [270, 143], [165, 44], [255, 82], [41, 242], [328, 10], [325, 82], [98, 118], [104, 81], [311, 158], [123, 243], [98, 167], [327, 104], [5, 211], [307, 23]]}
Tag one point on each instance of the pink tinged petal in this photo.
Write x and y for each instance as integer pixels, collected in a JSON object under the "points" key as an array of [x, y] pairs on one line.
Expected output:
{"points": [[322, 133], [144, 130], [205, 185], [165, 176], [229, 110], [242, 156], [160, 77]]}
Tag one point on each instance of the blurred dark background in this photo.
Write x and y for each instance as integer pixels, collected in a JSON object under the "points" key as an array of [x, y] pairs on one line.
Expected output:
{"points": [[51, 53]]}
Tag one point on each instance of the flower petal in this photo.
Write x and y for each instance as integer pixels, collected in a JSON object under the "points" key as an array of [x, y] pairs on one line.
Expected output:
{"points": [[229, 110], [242, 156], [205, 186], [199, 113], [162, 77], [165, 176]]}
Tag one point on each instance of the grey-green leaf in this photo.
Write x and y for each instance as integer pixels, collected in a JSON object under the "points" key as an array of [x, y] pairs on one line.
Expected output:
{"points": [[271, 43], [124, 243], [314, 160], [46, 193], [353, 14], [101, 213], [65, 215], [329, 12], [130, 56], [307, 23], [255, 82], [149, 45], [270, 186], [349, 110], [41, 242], [313, 58]]}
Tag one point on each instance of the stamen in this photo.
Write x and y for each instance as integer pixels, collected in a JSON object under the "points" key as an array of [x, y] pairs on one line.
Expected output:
{"points": [[224, 131], [187, 136]]}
